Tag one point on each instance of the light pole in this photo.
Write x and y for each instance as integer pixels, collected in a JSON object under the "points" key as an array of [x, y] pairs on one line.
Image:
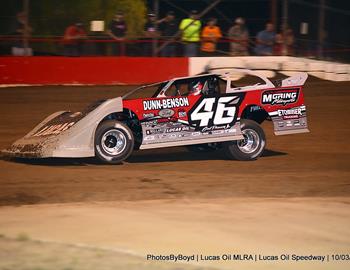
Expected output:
{"points": [[284, 25], [321, 32], [26, 30]]}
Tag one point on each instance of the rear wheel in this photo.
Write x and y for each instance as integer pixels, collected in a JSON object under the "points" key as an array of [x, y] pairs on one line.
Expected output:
{"points": [[114, 142], [251, 147]]}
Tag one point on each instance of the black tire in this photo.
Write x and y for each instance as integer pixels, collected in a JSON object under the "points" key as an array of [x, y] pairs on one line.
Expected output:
{"points": [[251, 147], [114, 142]]}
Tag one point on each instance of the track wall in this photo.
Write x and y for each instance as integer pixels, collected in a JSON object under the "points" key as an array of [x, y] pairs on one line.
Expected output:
{"points": [[89, 70], [140, 70]]}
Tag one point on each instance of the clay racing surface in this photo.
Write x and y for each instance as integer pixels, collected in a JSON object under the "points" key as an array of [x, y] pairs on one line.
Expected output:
{"points": [[295, 199]]}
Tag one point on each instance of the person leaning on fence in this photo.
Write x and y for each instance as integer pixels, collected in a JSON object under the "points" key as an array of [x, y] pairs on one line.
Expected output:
{"points": [[150, 34], [168, 27], [22, 31], [239, 36], [284, 43], [190, 28], [265, 40], [117, 31], [73, 39], [210, 35]]}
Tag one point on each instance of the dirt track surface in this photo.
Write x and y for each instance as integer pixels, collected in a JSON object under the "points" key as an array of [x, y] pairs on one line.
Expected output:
{"points": [[23, 253], [303, 165], [294, 199]]}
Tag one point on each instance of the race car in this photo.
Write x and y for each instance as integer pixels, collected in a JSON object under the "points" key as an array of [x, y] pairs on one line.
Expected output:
{"points": [[206, 111]]}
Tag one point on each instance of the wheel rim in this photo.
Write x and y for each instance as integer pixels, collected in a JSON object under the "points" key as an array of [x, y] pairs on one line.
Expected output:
{"points": [[250, 143], [113, 142]]}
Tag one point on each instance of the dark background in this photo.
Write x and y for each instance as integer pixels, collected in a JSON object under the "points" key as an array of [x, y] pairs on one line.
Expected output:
{"points": [[256, 13]]}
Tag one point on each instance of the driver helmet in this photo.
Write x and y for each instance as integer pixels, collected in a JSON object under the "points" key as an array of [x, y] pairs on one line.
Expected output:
{"points": [[196, 89]]}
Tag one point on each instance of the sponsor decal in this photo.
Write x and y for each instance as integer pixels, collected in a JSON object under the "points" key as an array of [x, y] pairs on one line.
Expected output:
{"points": [[296, 123], [177, 129], [289, 123], [167, 130], [166, 120], [150, 123], [168, 103], [231, 130], [218, 132], [53, 130], [255, 108], [165, 113], [182, 113], [290, 113], [154, 131], [148, 115], [149, 138], [209, 129], [183, 135], [280, 97]]}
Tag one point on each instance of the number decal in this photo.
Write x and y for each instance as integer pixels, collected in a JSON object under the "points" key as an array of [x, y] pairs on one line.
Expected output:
{"points": [[203, 112], [222, 107], [214, 111]]}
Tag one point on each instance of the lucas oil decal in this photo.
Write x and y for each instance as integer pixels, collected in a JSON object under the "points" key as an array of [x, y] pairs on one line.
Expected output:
{"points": [[280, 97], [168, 103]]}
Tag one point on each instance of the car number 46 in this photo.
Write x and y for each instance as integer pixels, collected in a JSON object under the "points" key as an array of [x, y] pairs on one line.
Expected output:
{"points": [[215, 111]]}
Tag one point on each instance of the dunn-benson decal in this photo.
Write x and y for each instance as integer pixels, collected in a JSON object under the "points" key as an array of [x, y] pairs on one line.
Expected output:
{"points": [[159, 104]]}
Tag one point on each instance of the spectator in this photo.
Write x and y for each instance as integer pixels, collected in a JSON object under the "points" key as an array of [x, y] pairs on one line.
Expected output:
{"points": [[289, 40], [284, 43], [239, 36], [279, 48], [168, 27], [191, 28], [151, 33], [265, 40], [117, 30], [23, 31], [73, 39], [210, 36]]}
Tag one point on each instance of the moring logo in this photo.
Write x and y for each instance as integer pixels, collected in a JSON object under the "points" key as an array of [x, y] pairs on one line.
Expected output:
{"points": [[280, 97]]}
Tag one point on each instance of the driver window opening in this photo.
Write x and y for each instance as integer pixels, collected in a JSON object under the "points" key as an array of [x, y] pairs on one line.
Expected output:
{"points": [[193, 87]]}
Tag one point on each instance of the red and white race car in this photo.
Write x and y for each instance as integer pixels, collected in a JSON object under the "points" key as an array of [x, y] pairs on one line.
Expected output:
{"points": [[204, 112]]}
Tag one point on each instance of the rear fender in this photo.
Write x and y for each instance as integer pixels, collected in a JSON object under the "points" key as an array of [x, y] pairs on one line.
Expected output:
{"points": [[255, 112]]}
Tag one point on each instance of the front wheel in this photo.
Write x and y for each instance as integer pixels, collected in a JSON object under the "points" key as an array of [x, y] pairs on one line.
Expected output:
{"points": [[114, 142], [251, 147]]}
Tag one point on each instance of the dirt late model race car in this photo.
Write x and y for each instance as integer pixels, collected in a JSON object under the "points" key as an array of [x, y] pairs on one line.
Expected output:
{"points": [[203, 111]]}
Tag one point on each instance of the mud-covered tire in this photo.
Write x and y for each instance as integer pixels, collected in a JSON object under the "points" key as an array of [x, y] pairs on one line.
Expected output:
{"points": [[251, 147], [114, 142]]}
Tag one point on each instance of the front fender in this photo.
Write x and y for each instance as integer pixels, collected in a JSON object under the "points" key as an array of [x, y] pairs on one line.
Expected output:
{"points": [[65, 134]]}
